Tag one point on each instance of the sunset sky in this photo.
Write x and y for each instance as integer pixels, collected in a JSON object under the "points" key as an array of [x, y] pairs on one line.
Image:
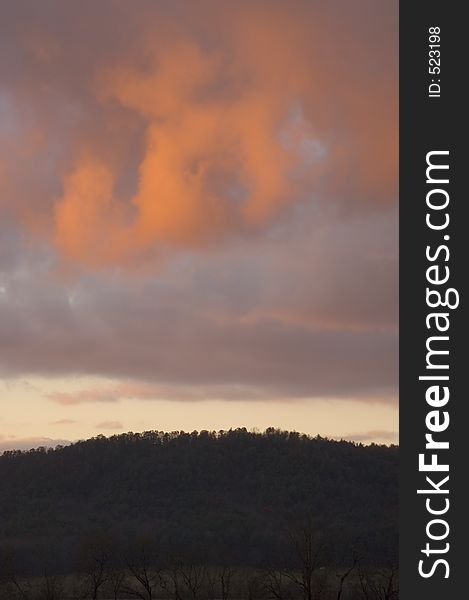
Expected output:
{"points": [[199, 226]]}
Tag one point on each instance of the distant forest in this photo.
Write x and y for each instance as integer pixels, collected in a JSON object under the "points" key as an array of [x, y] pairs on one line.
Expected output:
{"points": [[228, 499]]}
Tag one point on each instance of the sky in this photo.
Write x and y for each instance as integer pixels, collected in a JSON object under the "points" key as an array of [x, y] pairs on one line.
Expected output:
{"points": [[198, 218]]}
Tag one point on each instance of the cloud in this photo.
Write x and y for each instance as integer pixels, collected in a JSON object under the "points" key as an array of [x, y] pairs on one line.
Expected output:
{"points": [[27, 443], [67, 399], [110, 425], [377, 436], [289, 316], [64, 422], [194, 126], [135, 390], [200, 201]]}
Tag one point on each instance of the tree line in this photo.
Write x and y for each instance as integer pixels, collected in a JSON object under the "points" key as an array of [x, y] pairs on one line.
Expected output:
{"points": [[139, 570], [202, 498]]}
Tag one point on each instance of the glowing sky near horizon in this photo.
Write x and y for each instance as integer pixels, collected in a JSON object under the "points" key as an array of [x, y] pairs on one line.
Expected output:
{"points": [[198, 210]]}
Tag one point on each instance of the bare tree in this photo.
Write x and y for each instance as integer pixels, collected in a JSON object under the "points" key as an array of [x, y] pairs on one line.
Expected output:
{"points": [[116, 581], [226, 579], [140, 564], [253, 587], [11, 583], [277, 584], [193, 578], [344, 575], [382, 584], [363, 579], [309, 551], [51, 587], [385, 584], [169, 582], [95, 563], [185, 579], [220, 582]]}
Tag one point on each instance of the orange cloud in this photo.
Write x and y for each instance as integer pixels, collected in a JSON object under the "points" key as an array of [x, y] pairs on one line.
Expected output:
{"points": [[238, 115], [212, 166], [86, 218], [93, 395]]}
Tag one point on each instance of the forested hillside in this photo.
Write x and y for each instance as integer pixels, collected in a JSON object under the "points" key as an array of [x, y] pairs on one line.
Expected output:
{"points": [[223, 498]]}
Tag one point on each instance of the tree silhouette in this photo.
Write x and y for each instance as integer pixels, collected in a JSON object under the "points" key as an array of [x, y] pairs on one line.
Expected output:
{"points": [[226, 496], [140, 561], [11, 584], [221, 582], [308, 552], [51, 587], [94, 562]]}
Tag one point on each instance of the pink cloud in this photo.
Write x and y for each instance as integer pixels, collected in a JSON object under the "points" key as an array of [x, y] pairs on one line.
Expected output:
{"points": [[378, 436], [93, 395], [27, 443]]}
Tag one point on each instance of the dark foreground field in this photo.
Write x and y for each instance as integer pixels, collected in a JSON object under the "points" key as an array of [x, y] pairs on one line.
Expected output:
{"points": [[190, 582], [147, 515]]}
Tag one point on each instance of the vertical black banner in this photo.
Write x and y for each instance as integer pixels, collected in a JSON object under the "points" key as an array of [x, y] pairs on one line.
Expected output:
{"points": [[433, 255]]}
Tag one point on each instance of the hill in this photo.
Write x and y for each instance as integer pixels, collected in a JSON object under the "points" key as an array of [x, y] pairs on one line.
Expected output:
{"points": [[225, 497]]}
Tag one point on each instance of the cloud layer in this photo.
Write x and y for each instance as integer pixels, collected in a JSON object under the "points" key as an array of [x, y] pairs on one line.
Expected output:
{"points": [[278, 319], [199, 199]]}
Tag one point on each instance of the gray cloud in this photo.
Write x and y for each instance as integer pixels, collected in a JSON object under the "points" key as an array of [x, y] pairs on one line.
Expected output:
{"points": [[110, 425], [314, 316]]}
